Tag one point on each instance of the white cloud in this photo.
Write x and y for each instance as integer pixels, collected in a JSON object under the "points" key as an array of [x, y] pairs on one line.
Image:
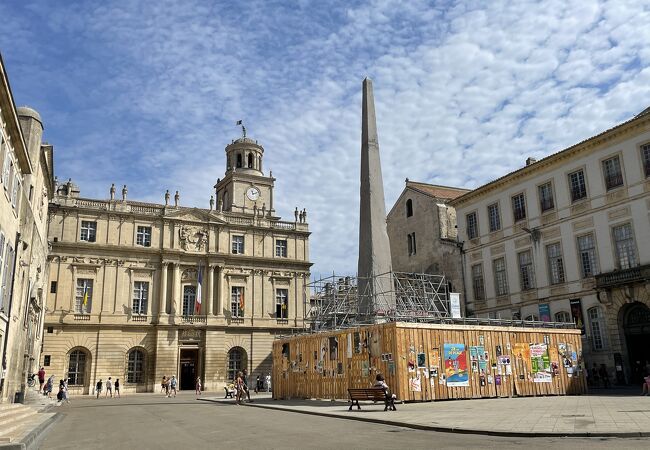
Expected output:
{"points": [[147, 94]]}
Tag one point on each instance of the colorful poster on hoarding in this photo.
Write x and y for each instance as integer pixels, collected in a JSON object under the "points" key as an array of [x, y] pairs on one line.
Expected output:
{"points": [[456, 365], [540, 363], [544, 312], [576, 314], [477, 355]]}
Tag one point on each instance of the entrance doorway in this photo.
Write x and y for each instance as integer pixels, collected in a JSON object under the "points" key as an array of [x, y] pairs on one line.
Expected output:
{"points": [[636, 326], [189, 369]]}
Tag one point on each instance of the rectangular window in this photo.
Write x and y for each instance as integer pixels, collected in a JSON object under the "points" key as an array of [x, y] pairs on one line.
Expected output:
{"points": [[6, 168], [143, 236], [281, 303], [625, 248], [3, 270], [237, 301], [15, 190], [53, 287], [587, 254], [577, 185], [46, 360], [645, 157], [526, 272], [546, 202], [238, 245], [84, 296], [415, 247], [7, 275], [494, 217], [500, 278], [477, 282], [281, 248], [555, 263], [140, 297], [472, 226], [612, 173], [189, 300], [519, 207], [88, 231], [596, 325]]}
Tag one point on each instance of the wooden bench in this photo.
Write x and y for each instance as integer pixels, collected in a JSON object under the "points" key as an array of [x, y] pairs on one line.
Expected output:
{"points": [[229, 392], [374, 394]]}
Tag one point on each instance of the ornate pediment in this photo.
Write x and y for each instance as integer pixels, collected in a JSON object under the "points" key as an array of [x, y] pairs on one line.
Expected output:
{"points": [[193, 215], [193, 237]]}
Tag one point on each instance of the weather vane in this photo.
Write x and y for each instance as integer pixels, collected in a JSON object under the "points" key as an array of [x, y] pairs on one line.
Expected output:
{"points": [[243, 128]]}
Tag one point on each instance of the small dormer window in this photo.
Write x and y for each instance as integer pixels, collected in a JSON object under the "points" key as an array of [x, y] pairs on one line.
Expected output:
{"points": [[239, 160]]}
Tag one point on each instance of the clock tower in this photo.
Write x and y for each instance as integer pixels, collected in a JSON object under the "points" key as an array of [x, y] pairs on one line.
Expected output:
{"points": [[245, 189]]}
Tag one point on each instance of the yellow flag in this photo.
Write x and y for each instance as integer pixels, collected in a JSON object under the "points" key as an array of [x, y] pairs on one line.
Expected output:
{"points": [[85, 302]]}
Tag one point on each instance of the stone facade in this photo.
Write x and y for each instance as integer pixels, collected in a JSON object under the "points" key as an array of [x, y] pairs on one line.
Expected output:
{"points": [[565, 238], [126, 276], [27, 183], [422, 231]]}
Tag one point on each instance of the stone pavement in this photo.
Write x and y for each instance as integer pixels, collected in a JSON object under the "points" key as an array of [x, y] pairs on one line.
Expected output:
{"points": [[577, 416]]}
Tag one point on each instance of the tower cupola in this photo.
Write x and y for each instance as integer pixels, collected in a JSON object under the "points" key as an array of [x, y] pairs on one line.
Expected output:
{"points": [[244, 155]]}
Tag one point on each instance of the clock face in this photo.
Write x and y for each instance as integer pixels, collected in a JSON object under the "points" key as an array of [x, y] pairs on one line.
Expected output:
{"points": [[253, 193]]}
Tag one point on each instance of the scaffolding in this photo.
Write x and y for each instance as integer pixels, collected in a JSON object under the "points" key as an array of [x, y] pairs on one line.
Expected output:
{"points": [[334, 302]]}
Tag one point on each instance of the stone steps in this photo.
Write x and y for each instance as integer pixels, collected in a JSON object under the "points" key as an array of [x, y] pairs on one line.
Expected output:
{"points": [[13, 417]]}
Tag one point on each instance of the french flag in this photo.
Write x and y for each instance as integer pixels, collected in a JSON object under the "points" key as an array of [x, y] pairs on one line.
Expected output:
{"points": [[199, 282]]}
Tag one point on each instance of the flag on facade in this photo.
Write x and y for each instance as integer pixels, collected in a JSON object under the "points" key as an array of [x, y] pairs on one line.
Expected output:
{"points": [[85, 301], [241, 300], [199, 282], [239, 122]]}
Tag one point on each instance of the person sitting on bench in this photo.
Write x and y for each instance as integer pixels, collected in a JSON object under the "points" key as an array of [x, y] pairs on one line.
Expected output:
{"points": [[390, 398]]}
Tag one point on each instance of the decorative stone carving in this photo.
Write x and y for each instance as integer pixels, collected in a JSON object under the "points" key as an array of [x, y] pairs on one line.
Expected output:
{"points": [[189, 274], [192, 237], [125, 191], [112, 191]]}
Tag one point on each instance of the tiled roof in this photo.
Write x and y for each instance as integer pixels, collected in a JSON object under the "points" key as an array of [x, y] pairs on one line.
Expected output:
{"points": [[442, 192]]}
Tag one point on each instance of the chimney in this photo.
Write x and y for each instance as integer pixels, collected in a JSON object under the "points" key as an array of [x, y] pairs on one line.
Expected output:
{"points": [[530, 160]]}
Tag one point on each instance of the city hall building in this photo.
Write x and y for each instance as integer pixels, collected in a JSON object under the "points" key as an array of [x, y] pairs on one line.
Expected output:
{"points": [[139, 291]]}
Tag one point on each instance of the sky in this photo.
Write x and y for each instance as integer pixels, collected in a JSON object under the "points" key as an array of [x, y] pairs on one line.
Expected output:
{"points": [[147, 93]]}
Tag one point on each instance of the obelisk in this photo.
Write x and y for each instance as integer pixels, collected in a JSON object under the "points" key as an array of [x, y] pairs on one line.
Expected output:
{"points": [[374, 284]]}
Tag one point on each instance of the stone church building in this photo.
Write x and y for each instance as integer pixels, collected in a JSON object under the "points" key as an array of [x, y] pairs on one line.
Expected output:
{"points": [[139, 291]]}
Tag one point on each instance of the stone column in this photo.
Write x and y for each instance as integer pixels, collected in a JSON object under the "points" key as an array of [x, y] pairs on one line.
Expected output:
{"points": [[210, 296], [220, 291], [162, 300], [176, 290]]}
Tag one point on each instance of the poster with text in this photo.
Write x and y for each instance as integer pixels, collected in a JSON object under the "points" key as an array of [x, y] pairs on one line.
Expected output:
{"points": [[576, 314], [540, 363], [456, 365], [544, 312]]}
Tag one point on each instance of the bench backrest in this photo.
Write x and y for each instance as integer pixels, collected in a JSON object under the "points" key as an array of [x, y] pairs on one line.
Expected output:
{"points": [[366, 393]]}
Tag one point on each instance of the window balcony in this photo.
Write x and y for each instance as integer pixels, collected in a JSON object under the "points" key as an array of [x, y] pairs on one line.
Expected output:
{"points": [[139, 318], [82, 317], [621, 277], [194, 319]]}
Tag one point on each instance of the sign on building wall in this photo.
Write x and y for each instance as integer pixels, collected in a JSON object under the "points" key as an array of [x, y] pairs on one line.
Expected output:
{"points": [[576, 314], [544, 312], [454, 305]]}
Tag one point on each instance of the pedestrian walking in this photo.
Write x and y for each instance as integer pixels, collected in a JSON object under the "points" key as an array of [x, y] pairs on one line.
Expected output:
{"points": [[173, 382], [604, 376], [66, 397], [49, 386], [198, 386], [258, 380], [163, 384], [117, 388], [239, 387], [109, 387], [246, 390], [41, 379], [593, 376], [98, 387], [268, 382], [59, 395], [168, 386]]}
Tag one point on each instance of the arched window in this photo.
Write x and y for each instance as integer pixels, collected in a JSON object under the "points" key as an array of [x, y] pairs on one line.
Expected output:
{"points": [[250, 160], [135, 366], [239, 160], [236, 361], [189, 298], [77, 368], [597, 326], [409, 207], [563, 316]]}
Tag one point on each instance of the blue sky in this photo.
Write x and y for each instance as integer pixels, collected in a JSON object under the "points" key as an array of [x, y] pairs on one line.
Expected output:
{"points": [[147, 93]]}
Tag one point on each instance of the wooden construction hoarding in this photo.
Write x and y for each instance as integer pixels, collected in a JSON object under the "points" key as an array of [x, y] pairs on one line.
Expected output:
{"points": [[423, 362]]}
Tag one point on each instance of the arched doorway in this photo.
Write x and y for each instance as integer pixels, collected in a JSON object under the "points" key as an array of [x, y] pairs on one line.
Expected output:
{"points": [[635, 319], [237, 360]]}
